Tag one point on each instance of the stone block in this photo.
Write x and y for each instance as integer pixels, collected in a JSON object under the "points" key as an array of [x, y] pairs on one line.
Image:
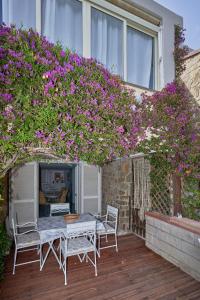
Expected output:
{"points": [[125, 167], [179, 246]]}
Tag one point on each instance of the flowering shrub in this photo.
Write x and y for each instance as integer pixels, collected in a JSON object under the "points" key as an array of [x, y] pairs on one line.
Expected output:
{"points": [[57, 103], [170, 120], [180, 51]]}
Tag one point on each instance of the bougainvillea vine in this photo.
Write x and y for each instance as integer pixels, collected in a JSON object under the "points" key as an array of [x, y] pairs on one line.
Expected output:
{"points": [[57, 103]]}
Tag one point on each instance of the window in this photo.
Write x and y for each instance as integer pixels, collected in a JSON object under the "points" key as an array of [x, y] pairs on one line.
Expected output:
{"points": [[62, 21], [107, 40], [140, 62], [19, 12]]}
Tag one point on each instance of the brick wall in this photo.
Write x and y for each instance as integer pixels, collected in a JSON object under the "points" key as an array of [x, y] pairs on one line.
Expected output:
{"points": [[191, 76]]}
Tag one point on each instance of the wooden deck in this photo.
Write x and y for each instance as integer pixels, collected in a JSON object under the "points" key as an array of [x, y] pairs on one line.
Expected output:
{"points": [[133, 273]]}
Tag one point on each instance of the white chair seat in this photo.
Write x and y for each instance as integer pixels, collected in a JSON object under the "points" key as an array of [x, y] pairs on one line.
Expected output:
{"points": [[28, 240], [107, 229], [77, 245]]}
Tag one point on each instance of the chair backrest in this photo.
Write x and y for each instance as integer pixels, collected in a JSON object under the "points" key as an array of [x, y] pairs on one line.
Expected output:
{"points": [[63, 195], [81, 229], [112, 215], [112, 211], [14, 227]]}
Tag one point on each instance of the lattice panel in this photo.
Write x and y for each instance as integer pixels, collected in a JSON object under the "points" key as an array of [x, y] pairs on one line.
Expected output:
{"points": [[161, 193]]}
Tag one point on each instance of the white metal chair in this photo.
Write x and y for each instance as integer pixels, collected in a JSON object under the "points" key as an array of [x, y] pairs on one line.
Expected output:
{"points": [[78, 239], [110, 222], [25, 241]]}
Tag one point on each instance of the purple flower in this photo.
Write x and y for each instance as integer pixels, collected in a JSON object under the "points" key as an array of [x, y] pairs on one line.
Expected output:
{"points": [[62, 53], [40, 134], [120, 129], [72, 88], [68, 117], [7, 97], [74, 58], [171, 88], [35, 102], [69, 143]]}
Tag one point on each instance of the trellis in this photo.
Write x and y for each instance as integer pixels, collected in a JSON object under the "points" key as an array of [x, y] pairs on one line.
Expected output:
{"points": [[161, 192], [149, 194]]}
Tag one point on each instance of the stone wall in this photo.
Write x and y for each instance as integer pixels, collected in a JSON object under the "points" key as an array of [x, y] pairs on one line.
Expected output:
{"points": [[117, 190], [191, 75], [176, 240]]}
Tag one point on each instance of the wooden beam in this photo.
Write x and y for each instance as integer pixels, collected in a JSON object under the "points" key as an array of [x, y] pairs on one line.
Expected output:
{"points": [[176, 182]]}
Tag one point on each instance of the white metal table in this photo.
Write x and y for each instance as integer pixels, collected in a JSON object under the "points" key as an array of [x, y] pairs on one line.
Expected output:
{"points": [[50, 228]]}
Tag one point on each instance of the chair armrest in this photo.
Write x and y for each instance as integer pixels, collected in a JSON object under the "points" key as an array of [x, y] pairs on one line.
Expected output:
{"points": [[99, 216], [27, 223], [108, 221], [28, 231], [111, 223]]}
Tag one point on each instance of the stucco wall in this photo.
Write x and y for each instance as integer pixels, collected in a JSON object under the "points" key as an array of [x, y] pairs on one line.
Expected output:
{"points": [[191, 75]]}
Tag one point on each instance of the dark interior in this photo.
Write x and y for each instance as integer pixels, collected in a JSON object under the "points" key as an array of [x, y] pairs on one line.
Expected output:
{"points": [[56, 186]]}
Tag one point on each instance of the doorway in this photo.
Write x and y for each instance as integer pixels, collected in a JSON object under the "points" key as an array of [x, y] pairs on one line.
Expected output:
{"points": [[56, 188]]}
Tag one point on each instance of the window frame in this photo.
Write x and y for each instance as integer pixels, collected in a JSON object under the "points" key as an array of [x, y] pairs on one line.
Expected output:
{"points": [[128, 19], [154, 35]]}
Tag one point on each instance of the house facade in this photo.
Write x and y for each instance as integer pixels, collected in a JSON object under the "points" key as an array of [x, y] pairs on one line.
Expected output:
{"points": [[134, 39]]}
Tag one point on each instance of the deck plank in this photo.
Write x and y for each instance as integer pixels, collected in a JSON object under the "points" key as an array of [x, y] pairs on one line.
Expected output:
{"points": [[134, 272]]}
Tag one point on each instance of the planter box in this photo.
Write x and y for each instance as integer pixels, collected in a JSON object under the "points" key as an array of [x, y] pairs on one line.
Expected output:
{"points": [[176, 240]]}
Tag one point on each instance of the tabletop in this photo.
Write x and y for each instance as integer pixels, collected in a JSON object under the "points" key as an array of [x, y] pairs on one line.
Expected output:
{"points": [[57, 223]]}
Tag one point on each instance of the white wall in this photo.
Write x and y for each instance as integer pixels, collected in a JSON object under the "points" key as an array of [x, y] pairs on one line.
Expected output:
{"points": [[168, 20]]}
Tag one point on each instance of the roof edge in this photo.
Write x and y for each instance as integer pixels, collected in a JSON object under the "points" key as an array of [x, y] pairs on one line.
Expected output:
{"points": [[192, 53]]}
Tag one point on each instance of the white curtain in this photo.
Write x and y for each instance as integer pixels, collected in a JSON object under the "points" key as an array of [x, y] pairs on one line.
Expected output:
{"points": [[107, 41], [139, 58], [19, 12], [62, 21]]}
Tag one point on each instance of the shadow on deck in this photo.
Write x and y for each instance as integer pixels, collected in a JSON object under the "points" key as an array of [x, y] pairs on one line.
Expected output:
{"points": [[133, 273]]}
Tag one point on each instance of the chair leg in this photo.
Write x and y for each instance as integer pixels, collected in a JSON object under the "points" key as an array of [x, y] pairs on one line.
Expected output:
{"points": [[60, 254], [41, 257], [65, 270], [116, 242], [15, 258], [106, 238], [95, 262], [99, 244]]}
